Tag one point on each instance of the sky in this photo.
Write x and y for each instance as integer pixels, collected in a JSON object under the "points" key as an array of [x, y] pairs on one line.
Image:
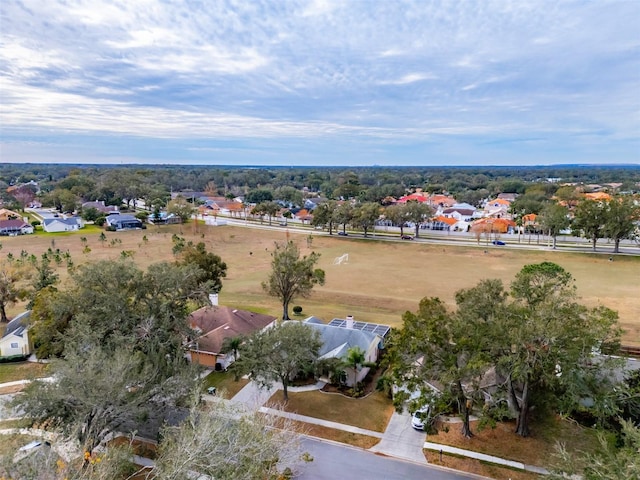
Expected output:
{"points": [[320, 82]]}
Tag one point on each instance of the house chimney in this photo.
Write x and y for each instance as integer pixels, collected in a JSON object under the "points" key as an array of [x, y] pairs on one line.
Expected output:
{"points": [[350, 321], [213, 298]]}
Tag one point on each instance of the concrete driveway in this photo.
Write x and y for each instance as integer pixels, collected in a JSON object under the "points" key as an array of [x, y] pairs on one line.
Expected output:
{"points": [[401, 440]]}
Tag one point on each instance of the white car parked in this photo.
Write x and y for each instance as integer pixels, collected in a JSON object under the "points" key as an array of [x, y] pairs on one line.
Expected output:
{"points": [[420, 417]]}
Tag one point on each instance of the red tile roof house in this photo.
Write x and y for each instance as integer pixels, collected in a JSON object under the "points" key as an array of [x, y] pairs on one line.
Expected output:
{"points": [[216, 323]]}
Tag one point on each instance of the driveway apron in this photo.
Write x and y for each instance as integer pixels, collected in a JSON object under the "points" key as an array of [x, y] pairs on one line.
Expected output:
{"points": [[401, 440]]}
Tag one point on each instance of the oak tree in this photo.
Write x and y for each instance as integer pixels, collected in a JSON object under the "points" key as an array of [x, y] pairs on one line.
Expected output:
{"points": [[279, 353], [291, 275]]}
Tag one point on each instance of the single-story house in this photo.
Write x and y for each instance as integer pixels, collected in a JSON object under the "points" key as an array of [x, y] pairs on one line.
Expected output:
{"points": [[101, 207], [123, 222], [15, 340], [442, 223], [164, 219], [59, 224], [213, 324], [220, 206], [312, 203], [493, 225], [6, 214], [15, 227], [339, 335]]}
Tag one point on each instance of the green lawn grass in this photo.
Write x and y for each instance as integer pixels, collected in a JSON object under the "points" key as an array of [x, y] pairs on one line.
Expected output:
{"points": [[379, 283], [10, 372], [370, 413], [225, 383]]}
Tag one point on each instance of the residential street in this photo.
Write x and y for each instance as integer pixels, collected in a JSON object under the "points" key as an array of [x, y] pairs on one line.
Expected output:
{"points": [[334, 461]]}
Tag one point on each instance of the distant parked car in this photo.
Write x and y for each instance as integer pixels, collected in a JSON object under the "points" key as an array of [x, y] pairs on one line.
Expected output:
{"points": [[343, 234], [406, 237], [498, 242]]}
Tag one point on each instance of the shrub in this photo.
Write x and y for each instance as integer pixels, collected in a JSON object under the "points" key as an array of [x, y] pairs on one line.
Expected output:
{"points": [[297, 309], [100, 220], [35, 223], [13, 358]]}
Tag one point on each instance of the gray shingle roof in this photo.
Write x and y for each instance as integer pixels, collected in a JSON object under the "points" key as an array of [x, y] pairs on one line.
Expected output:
{"points": [[18, 325], [65, 221], [337, 340]]}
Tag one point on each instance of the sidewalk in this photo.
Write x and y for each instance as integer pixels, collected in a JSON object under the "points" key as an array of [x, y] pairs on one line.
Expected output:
{"points": [[484, 457], [399, 439]]}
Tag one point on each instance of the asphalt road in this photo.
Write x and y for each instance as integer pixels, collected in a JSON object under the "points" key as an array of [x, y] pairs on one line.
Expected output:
{"points": [[334, 461], [524, 242]]}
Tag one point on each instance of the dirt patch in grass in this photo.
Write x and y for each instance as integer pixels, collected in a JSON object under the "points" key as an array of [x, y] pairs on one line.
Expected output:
{"points": [[472, 465], [225, 384], [12, 389], [10, 372], [371, 413], [537, 449]]}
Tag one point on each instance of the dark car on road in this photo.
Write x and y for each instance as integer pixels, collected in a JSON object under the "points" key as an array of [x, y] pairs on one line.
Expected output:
{"points": [[406, 237], [498, 242]]}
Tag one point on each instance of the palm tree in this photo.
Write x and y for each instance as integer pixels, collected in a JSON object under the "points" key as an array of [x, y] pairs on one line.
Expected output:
{"points": [[232, 345], [355, 359]]}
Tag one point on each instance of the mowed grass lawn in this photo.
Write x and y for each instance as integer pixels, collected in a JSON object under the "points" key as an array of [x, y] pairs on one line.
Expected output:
{"points": [[378, 284], [372, 412], [10, 372], [225, 383]]}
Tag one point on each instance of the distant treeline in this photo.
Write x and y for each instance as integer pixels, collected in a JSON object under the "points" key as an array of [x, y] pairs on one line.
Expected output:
{"points": [[113, 183]]}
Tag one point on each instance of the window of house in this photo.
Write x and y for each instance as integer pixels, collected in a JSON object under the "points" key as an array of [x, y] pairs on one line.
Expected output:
{"points": [[14, 345]]}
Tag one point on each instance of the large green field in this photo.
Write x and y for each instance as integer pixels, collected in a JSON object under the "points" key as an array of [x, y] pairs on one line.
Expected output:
{"points": [[380, 281]]}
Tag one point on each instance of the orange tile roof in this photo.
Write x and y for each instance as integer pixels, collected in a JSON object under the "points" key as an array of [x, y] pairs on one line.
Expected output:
{"points": [[500, 225], [597, 196], [500, 201], [415, 197], [447, 220]]}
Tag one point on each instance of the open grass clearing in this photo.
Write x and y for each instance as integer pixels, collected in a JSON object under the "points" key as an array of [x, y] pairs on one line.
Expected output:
{"points": [[225, 384], [371, 413], [10, 372], [378, 284], [537, 449], [477, 467]]}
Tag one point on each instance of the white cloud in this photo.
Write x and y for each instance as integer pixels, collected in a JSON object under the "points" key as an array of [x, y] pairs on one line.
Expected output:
{"points": [[320, 68], [410, 78]]}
